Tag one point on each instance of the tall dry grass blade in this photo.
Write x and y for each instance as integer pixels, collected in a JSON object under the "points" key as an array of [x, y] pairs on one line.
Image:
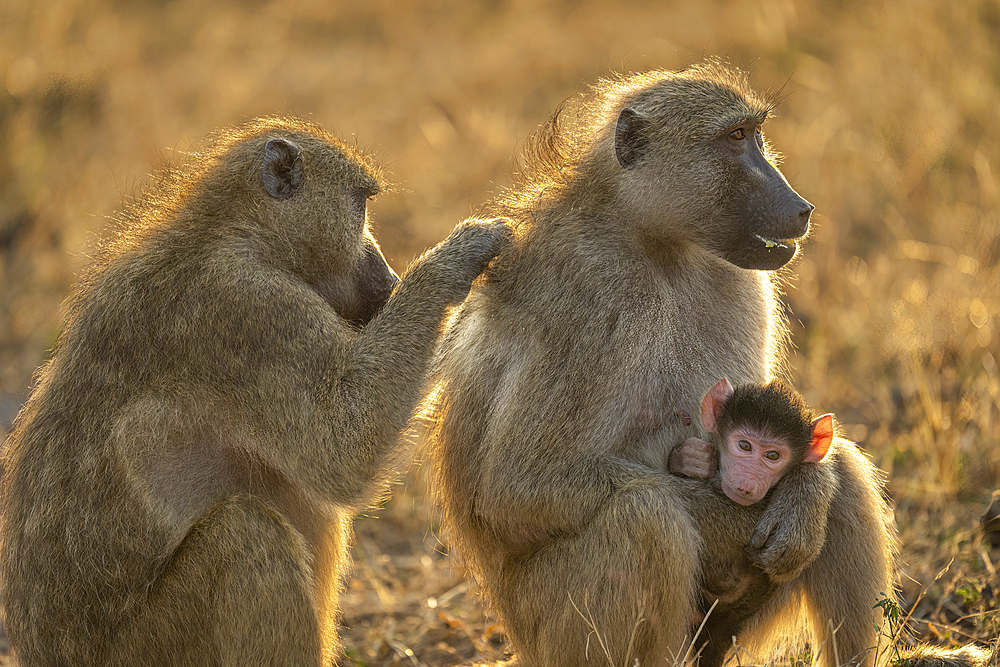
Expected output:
{"points": [[588, 618]]}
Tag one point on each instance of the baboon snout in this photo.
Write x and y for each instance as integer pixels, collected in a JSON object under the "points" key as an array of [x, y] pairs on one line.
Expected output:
{"points": [[790, 211], [374, 282], [360, 295], [743, 490], [801, 212]]}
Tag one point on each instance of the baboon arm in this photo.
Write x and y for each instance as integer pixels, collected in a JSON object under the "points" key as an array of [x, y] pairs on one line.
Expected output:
{"points": [[370, 397], [338, 398], [527, 505], [353, 391], [792, 530]]}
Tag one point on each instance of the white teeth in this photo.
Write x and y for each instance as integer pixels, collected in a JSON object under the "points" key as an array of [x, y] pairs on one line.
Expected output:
{"points": [[769, 243]]}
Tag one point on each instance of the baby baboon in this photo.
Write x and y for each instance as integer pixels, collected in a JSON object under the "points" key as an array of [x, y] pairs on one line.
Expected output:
{"points": [[761, 434], [179, 485], [645, 229]]}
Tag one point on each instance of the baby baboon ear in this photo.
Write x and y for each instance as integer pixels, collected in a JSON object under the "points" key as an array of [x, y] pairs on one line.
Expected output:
{"points": [[711, 405], [630, 136], [283, 169]]}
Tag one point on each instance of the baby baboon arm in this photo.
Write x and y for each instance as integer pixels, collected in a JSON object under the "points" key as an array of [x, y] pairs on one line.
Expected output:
{"points": [[792, 529]]}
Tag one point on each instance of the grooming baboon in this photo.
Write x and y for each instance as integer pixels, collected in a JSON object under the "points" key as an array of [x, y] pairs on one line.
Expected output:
{"points": [[180, 484], [638, 276]]}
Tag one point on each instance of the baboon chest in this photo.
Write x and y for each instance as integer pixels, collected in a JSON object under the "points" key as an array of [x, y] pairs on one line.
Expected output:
{"points": [[677, 345]]}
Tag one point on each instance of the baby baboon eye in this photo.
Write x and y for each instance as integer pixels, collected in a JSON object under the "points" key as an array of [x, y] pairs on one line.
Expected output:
{"points": [[745, 446], [738, 134], [773, 455]]}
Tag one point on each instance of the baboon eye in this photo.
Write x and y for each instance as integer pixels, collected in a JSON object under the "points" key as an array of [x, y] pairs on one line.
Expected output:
{"points": [[745, 446], [738, 134], [362, 195], [772, 456]]}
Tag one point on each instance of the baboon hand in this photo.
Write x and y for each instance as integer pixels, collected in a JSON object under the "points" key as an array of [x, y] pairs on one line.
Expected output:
{"points": [[786, 540], [694, 458], [470, 248], [481, 241]]}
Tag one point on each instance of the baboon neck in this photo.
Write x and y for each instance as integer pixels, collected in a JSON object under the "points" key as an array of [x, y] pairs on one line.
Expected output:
{"points": [[670, 255]]}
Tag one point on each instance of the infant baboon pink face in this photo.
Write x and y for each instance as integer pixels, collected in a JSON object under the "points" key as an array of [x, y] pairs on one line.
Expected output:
{"points": [[754, 457]]}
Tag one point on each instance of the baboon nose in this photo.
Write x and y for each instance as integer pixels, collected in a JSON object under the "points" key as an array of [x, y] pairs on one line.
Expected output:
{"points": [[805, 210]]}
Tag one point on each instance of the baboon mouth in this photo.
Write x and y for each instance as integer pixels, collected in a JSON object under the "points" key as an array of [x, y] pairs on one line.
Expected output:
{"points": [[776, 243]]}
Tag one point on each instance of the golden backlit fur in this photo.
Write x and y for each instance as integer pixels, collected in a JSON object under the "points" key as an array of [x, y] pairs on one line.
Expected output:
{"points": [[559, 381], [179, 485]]}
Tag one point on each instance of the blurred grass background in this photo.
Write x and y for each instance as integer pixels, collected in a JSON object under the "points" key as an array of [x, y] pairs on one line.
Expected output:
{"points": [[889, 125]]}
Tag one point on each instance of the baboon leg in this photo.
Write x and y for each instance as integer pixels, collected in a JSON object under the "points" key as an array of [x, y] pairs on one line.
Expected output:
{"points": [[854, 567], [838, 590], [840, 603], [238, 591], [621, 590]]}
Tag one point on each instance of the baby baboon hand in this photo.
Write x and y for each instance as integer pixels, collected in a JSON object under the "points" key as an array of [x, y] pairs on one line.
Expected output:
{"points": [[792, 530], [785, 541], [694, 458]]}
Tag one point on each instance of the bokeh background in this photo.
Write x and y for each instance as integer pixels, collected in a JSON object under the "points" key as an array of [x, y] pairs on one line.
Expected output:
{"points": [[889, 125]]}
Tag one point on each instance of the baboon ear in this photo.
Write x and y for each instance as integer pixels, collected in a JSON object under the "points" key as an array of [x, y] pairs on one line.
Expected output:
{"points": [[630, 137], [711, 405], [822, 438], [283, 168]]}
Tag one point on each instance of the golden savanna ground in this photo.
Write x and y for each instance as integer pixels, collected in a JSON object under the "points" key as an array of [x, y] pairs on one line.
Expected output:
{"points": [[890, 125]]}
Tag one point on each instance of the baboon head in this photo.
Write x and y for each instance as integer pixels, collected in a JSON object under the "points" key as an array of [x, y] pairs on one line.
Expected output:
{"points": [[312, 192], [766, 432], [697, 164]]}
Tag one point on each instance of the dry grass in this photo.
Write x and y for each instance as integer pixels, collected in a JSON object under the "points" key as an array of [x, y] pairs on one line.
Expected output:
{"points": [[889, 125]]}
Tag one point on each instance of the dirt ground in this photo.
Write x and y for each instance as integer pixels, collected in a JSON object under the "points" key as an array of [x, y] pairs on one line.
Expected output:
{"points": [[888, 124]]}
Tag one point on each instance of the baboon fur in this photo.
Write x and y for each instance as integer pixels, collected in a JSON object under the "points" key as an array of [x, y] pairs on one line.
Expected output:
{"points": [[180, 484], [633, 284]]}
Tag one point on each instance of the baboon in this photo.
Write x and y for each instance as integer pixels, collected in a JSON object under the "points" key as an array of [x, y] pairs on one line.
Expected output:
{"points": [[648, 215], [761, 433], [228, 389]]}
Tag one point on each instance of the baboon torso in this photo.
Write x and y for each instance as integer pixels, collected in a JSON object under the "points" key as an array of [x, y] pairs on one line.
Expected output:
{"points": [[122, 451], [632, 340]]}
